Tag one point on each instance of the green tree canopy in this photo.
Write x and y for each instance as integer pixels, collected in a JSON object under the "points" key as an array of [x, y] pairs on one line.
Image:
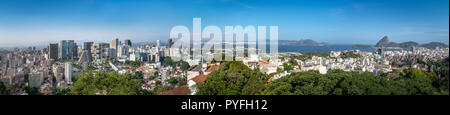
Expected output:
{"points": [[3, 89], [233, 78], [92, 83], [338, 82]]}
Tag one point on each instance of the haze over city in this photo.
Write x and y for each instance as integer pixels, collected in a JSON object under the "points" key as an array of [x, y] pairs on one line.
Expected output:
{"points": [[30, 22]]}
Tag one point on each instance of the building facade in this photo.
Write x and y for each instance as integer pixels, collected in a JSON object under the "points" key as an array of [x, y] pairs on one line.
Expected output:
{"points": [[68, 73], [87, 47], [53, 51], [67, 50], [100, 51], [114, 47]]}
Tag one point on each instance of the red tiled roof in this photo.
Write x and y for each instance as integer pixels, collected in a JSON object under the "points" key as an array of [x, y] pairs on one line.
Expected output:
{"points": [[183, 90], [200, 78], [264, 63], [210, 69]]}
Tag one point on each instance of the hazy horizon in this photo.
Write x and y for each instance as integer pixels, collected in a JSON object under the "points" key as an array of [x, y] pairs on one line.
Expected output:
{"points": [[164, 43]]}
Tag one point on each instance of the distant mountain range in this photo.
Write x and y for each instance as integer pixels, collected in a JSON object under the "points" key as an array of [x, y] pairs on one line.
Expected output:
{"points": [[384, 42], [434, 45], [307, 42]]}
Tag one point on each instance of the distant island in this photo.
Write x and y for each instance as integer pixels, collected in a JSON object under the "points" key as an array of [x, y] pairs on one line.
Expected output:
{"points": [[385, 42], [307, 42]]}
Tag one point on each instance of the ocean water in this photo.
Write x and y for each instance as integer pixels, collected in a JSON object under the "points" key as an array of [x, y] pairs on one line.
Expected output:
{"points": [[324, 49]]}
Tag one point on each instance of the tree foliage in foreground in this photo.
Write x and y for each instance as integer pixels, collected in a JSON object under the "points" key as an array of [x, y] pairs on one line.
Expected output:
{"points": [[92, 83], [234, 78], [338, 82], [3, 89]]}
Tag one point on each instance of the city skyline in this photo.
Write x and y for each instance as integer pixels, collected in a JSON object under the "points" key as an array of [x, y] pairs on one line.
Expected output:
{"points": [[31, 23], [223, 55]]}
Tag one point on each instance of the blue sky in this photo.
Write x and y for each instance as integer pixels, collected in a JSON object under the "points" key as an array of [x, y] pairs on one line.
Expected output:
{"points": [[35, 22]]}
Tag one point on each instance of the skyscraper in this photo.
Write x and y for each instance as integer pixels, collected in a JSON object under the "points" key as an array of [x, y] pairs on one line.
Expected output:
{"points": [[113, 47], [67, 50], [100, 50], [158, 43], [53, 51], [68, 72], [87, 46], [123, 51], [75, 51], [169, 43], [127, 43]]}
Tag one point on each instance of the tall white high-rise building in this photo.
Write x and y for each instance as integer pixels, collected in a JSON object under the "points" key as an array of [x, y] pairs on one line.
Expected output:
{"points": [[158, 43], [123, 51], [68, 73], [114, 47]]}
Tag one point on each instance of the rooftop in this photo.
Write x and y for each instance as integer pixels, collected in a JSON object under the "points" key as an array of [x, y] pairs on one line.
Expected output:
{"points": [[200, 78], [182, 90]]}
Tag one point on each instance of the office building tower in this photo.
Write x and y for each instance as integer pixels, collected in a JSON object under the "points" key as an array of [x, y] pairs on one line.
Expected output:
{"points": [[123, 51], [75, 52], [169, 43], [67, 50], [127, 43], [53, 51], [114, 43], [113, 47], [87, 46], [158, 43], [100, 51]]}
